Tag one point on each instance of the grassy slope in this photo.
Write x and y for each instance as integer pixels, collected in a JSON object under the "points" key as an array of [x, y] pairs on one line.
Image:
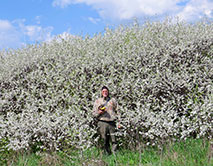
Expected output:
{"points": [[189, 153]]}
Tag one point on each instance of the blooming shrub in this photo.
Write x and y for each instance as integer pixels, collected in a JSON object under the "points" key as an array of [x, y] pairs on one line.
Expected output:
{"points": [[160, 73]]}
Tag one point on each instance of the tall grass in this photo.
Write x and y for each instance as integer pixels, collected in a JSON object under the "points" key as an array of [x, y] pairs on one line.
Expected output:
{"points": [[186, 153]]}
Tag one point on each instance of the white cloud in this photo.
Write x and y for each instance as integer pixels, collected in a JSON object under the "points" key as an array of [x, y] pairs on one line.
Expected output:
{"points": [[37, 33], [128, 9], [15, 33], [197, 9], [62, 3], [124, 9], [94, 20], [5, 25], [38, 19], [8, 34]]}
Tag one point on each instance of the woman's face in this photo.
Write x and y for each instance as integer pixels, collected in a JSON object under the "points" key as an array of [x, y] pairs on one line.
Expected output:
{"points": [[104, 92]]}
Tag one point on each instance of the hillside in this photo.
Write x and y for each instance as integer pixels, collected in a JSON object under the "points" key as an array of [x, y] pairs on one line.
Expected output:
{"points": [[161, 74]]}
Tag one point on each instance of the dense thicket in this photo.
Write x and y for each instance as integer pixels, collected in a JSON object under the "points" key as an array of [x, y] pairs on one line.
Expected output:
{"points": [[161, 74]]}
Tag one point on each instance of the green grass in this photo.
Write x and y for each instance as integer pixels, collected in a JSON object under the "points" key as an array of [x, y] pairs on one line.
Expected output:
{"points": [[188, 153]]}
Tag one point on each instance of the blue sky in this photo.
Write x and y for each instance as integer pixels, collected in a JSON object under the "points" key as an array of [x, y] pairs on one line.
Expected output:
{"points": [[28, 21]]}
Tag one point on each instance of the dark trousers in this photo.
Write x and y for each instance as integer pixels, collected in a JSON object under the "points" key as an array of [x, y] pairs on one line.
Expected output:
{"points": [[107, 131]]}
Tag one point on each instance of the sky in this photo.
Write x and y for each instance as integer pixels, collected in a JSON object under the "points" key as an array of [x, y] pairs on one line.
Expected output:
{"points": [[29, 21]]}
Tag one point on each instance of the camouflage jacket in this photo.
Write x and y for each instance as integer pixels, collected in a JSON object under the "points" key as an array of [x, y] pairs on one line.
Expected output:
{"points": [[111, 112]]}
